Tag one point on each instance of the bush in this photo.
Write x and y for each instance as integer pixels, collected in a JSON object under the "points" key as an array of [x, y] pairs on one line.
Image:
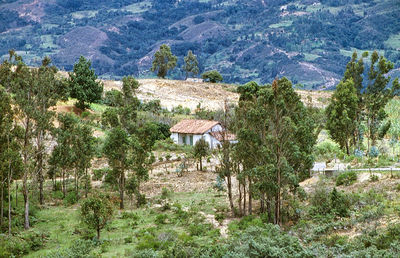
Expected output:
{"points": [[165, 193], [71, 198], [327, 150], [161, 219], [374, 152], [113, 98], [212, 76], [266, 241], [373, 178], [99, 173], [324, 202], [58, 195], [346, 178]]}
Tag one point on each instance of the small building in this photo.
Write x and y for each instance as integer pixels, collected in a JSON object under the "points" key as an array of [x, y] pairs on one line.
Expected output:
{"points": [[189, 131], [199, 80]]}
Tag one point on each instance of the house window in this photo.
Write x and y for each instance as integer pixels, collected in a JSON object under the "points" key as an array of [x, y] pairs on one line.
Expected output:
{"points": [[191, 140], [184, 139]]}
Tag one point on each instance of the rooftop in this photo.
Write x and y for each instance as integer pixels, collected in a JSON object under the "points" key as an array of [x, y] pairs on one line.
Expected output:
{"points": [[192, 126]]}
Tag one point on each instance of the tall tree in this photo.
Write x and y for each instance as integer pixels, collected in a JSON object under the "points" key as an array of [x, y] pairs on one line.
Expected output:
{"points": [[342, 114], [116, 149], [84, 85], [49, 90], [10, 159], [191, 64], [63, 155], [163, 61], [275, 141], [377, 95], [84, 143]]}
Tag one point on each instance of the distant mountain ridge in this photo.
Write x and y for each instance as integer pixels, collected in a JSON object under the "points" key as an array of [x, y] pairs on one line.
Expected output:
{"points": [[308, 41]]}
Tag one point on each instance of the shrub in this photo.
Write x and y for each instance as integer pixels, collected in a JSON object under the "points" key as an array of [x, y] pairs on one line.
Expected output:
{"points": [[324, 202], [161, 219], [113, 98], [346, 178], [71, 198], [373, 178], [266, 241], [374, 152], [58, 195], [99, 173], [327, 150], [398, 187], [212, 76]]}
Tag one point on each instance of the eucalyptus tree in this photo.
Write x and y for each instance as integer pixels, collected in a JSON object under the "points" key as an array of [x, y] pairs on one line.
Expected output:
{"points": [[342, 114], [64, 153], [10, 159], [377, 96], [163, 61], [275, 145], [191, 64], [129, 143]]}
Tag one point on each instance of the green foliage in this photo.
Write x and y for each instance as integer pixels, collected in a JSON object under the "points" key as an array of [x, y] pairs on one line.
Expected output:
{"points": [[191, 64], [181, 110], [346, 178], [327, 150], [99, 173], [266, 241], [212, 76], [71, 198], [161, 219], [84, 85], [96, 212], [200, 150], [163, 61], [113, 98], [326, 202], [79, 248], [374, 178], [342, 114]]}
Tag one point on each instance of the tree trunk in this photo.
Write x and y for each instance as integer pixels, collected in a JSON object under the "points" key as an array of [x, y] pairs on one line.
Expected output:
{"points": [[240, 200], [40, 167], [347, 147], [9, 197], [269, 210], [9, 206], [121, 191], [229, 185], [87, 181], [201, 164], [244, 198], [250, 198], [2, 203], [63, 183], [26, 201], [98, 233], [262, 203]]}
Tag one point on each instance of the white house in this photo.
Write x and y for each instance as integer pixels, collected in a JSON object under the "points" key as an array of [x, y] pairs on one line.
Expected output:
{"points": [[189, 131]]}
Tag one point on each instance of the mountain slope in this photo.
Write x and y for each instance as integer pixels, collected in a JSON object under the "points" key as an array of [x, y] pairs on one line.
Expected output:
{"points": [[309, 41]]}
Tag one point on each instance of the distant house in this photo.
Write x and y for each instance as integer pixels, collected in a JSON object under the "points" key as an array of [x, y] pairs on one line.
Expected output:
{"points": [[194, 80], [189, 131]]}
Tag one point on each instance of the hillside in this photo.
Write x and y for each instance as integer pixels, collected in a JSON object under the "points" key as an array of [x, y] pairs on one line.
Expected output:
{"points": [[309, 41], [173, 93]]}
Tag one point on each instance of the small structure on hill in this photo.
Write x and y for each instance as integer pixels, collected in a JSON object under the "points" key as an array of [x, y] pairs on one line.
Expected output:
{"points": [[189, 131], [199, 80]]}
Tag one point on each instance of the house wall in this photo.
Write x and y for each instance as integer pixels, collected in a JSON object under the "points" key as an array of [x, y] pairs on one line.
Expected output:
{"points": [[175, 137], [179, 138]]}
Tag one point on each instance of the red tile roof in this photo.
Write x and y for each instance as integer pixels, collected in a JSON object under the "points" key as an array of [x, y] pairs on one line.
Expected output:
{"points": [[192, 126]]}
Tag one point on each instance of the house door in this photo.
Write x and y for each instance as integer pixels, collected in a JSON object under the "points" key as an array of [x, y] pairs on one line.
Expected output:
{"points": [[184, 139], [191, 140]]}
